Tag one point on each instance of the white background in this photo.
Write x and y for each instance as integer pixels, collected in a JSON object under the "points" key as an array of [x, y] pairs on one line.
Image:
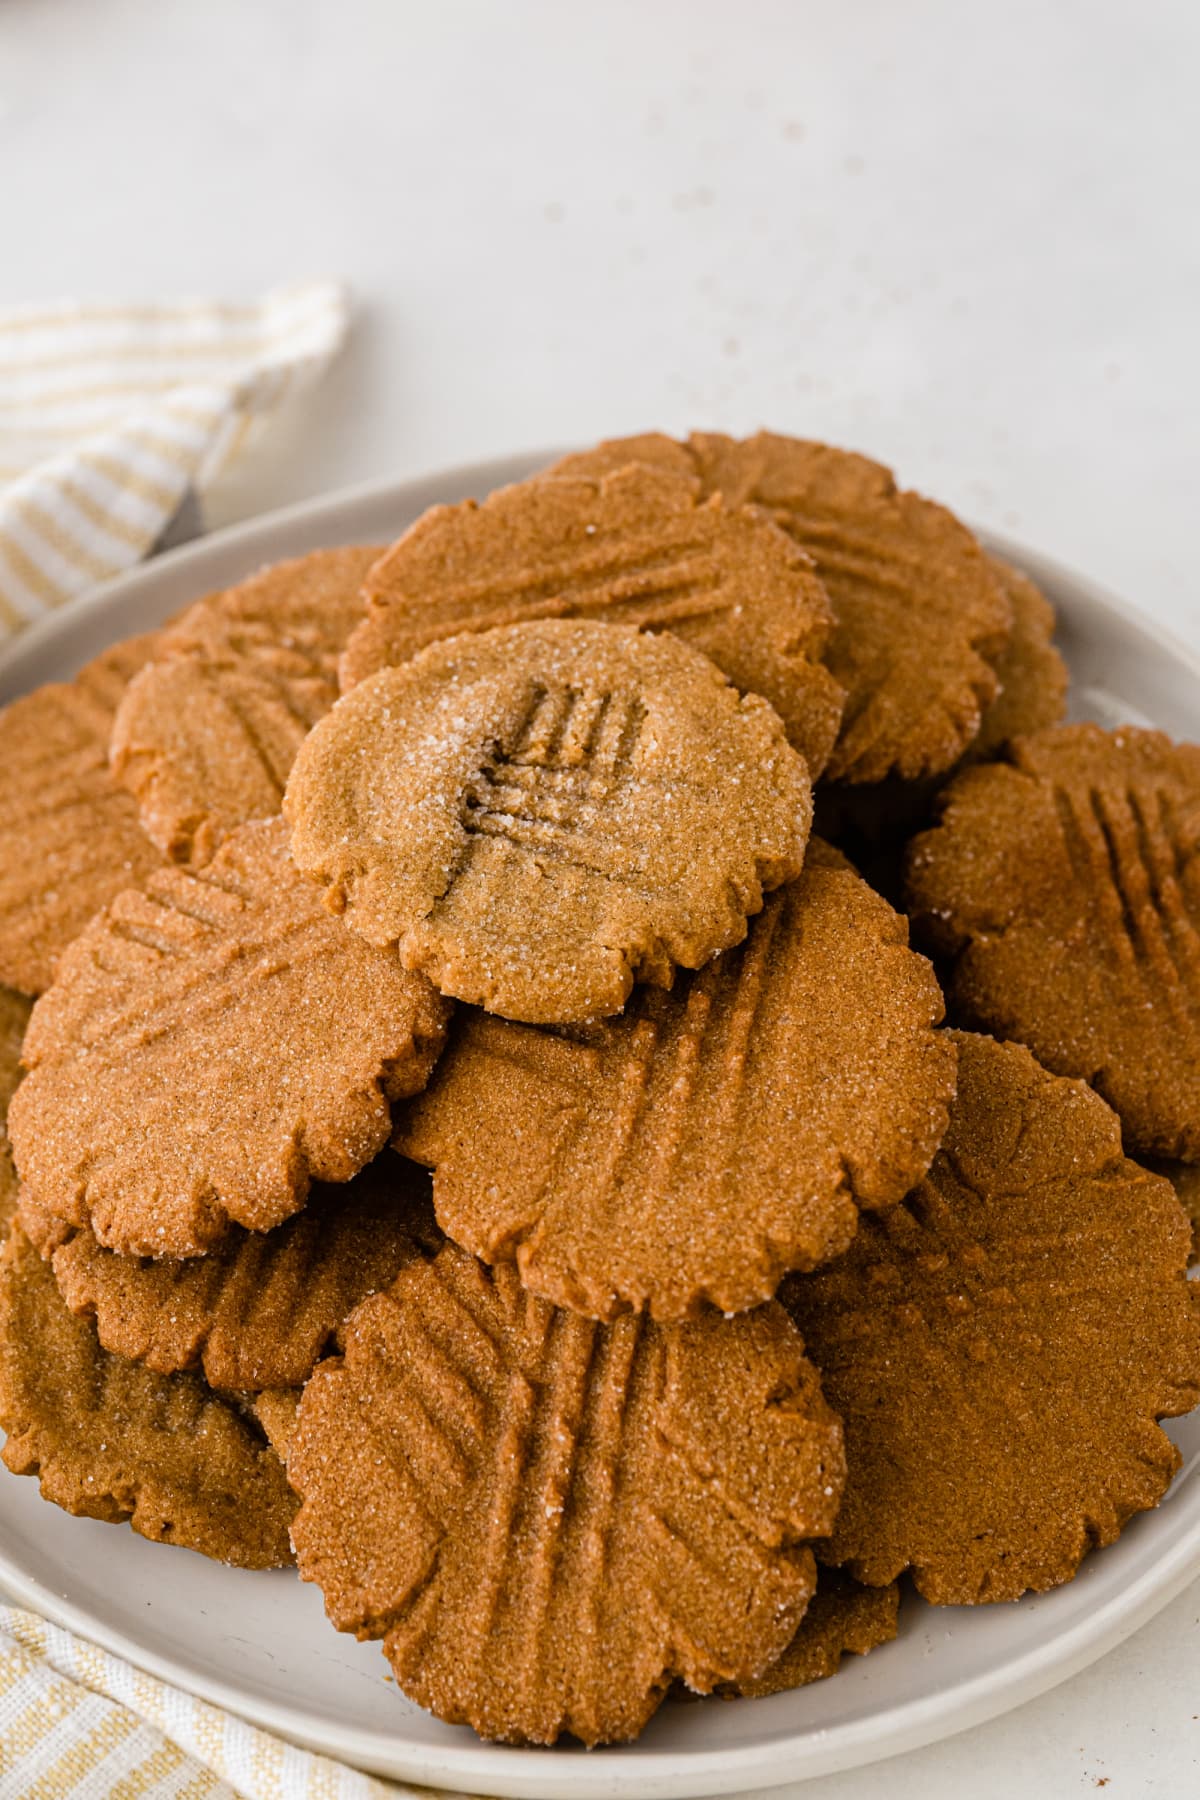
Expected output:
{"points": [[964, 237]]}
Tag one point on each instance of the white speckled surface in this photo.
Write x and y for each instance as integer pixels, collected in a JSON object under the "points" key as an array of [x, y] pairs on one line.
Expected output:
{"points": [[966, 238]]}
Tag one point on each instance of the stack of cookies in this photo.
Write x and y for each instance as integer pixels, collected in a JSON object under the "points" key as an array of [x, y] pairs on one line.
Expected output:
{"points": [[487, 1137]]}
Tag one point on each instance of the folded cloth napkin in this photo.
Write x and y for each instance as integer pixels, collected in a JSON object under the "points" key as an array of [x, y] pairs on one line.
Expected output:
{"points": [[79, 1724], [111, 415]]}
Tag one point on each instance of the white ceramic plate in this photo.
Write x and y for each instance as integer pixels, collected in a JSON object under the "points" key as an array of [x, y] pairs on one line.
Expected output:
{"points": [[260, 1645]]}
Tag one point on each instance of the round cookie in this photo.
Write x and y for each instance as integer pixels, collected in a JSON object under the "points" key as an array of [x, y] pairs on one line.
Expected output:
{"points": [[634, 547], [1000, 1346], [205, 735], [14, 1017], [70, 838], [547, 1519], [211, 1046], [1032, 675], [110, 1440], [540, 815], [920, 614], [263, 1308], [1064, 887], [711, 1138]]}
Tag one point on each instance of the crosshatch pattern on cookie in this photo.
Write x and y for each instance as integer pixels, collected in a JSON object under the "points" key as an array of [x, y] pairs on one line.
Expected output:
{"points": [[1001, 1344], [546, 1519], [632, 549], [711, 1137], [546, 793], [548, 784], [539, 816], [211, 1045], [1065, 887]]}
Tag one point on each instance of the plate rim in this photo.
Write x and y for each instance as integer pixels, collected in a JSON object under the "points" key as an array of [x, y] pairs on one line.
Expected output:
{"points": [[486, 1768], [480, 1766]]}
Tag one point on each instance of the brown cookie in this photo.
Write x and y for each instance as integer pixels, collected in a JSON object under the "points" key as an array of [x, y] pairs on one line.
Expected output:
{"points": [[1064, 885], [14, 1017], [206, 734], [712, 1137], [1001, 1345], [920, 615], [843, 1618], [633, 548], [110, 1440], [209, 1047], [264, 1307], [547, 1519], [70, 838], [542, 814], [1032, 675]]}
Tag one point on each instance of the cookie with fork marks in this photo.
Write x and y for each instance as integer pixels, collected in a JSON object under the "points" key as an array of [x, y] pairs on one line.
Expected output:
{"points": [[211, 1046], [546, 1519], [1063, 887], [539, 816], [693, 1150], [206, 733]]}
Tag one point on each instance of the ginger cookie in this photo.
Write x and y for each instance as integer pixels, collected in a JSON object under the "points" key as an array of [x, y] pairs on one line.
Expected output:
{"points": [[1032, 675], [921, 617], [206, 734], [633, 548], [110, 1440], [70, 838], [843, 1618], [1064, 887], [14, 1017], [1000, 1346], [211, 1046], [546, 1519], [710, 1138], [264, 1307], [539, 815]]}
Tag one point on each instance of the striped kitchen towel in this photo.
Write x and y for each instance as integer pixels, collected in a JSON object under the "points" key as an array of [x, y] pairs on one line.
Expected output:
{"points": [[111, 415], [79, 1724]]}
